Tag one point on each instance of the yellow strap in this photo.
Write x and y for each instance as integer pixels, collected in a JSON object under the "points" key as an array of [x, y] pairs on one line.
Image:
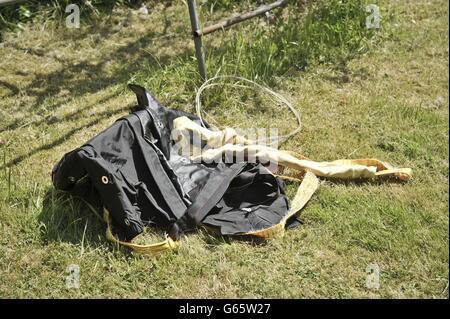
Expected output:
{"points": [[383, 169], [152, 249], [403, 174], [304, 193]]}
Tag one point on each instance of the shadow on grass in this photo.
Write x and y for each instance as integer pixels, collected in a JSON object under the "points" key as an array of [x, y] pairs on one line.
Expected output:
{"points": [[98, 117], [72, 218], [75, 218], [75, 115], [213, 239], [89, 77], [382, 180], [11, 87]]}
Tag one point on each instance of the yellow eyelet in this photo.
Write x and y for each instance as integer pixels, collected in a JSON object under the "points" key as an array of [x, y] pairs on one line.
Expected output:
{"points": [[105, 180]]}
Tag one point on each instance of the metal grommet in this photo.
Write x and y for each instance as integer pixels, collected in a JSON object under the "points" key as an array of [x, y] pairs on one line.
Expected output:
{"points": [[105, 180], [127, 222]]}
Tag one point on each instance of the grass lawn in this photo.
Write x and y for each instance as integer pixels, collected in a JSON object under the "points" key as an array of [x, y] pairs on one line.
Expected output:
{"points": [[60, 87]]}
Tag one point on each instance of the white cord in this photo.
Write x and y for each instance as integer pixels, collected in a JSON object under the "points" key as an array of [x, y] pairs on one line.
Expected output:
{"points": [[209, 83]]}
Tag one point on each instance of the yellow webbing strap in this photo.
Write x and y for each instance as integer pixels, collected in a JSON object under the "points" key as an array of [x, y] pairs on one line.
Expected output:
{"points": [[304, 193], [383, 169], [153, 249], [306, 190]]}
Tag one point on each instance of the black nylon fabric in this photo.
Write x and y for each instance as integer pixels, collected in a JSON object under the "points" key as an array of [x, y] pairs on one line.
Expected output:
{"points": [[255, 200], [142, 181]]}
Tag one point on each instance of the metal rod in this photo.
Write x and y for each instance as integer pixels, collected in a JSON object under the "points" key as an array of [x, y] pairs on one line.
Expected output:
{"points": [[197, 39], [241, 17], [8, 2]]}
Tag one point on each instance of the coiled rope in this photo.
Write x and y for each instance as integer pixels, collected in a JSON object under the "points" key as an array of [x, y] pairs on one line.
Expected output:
{"points": [[215, 81]]}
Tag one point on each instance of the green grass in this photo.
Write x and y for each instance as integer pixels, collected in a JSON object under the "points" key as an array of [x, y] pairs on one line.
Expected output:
{"points": [[361, 93]]}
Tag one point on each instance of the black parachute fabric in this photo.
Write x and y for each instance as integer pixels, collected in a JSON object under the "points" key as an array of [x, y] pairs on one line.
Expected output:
{"points": [[143, 181]]}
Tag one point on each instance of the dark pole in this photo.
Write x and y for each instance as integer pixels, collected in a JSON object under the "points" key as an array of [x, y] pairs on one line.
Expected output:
{"points": [[197, 39], [241, 17]]}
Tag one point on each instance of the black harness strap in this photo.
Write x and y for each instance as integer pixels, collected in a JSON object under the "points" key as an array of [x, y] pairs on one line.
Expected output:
{"points": [[209, 196]]}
